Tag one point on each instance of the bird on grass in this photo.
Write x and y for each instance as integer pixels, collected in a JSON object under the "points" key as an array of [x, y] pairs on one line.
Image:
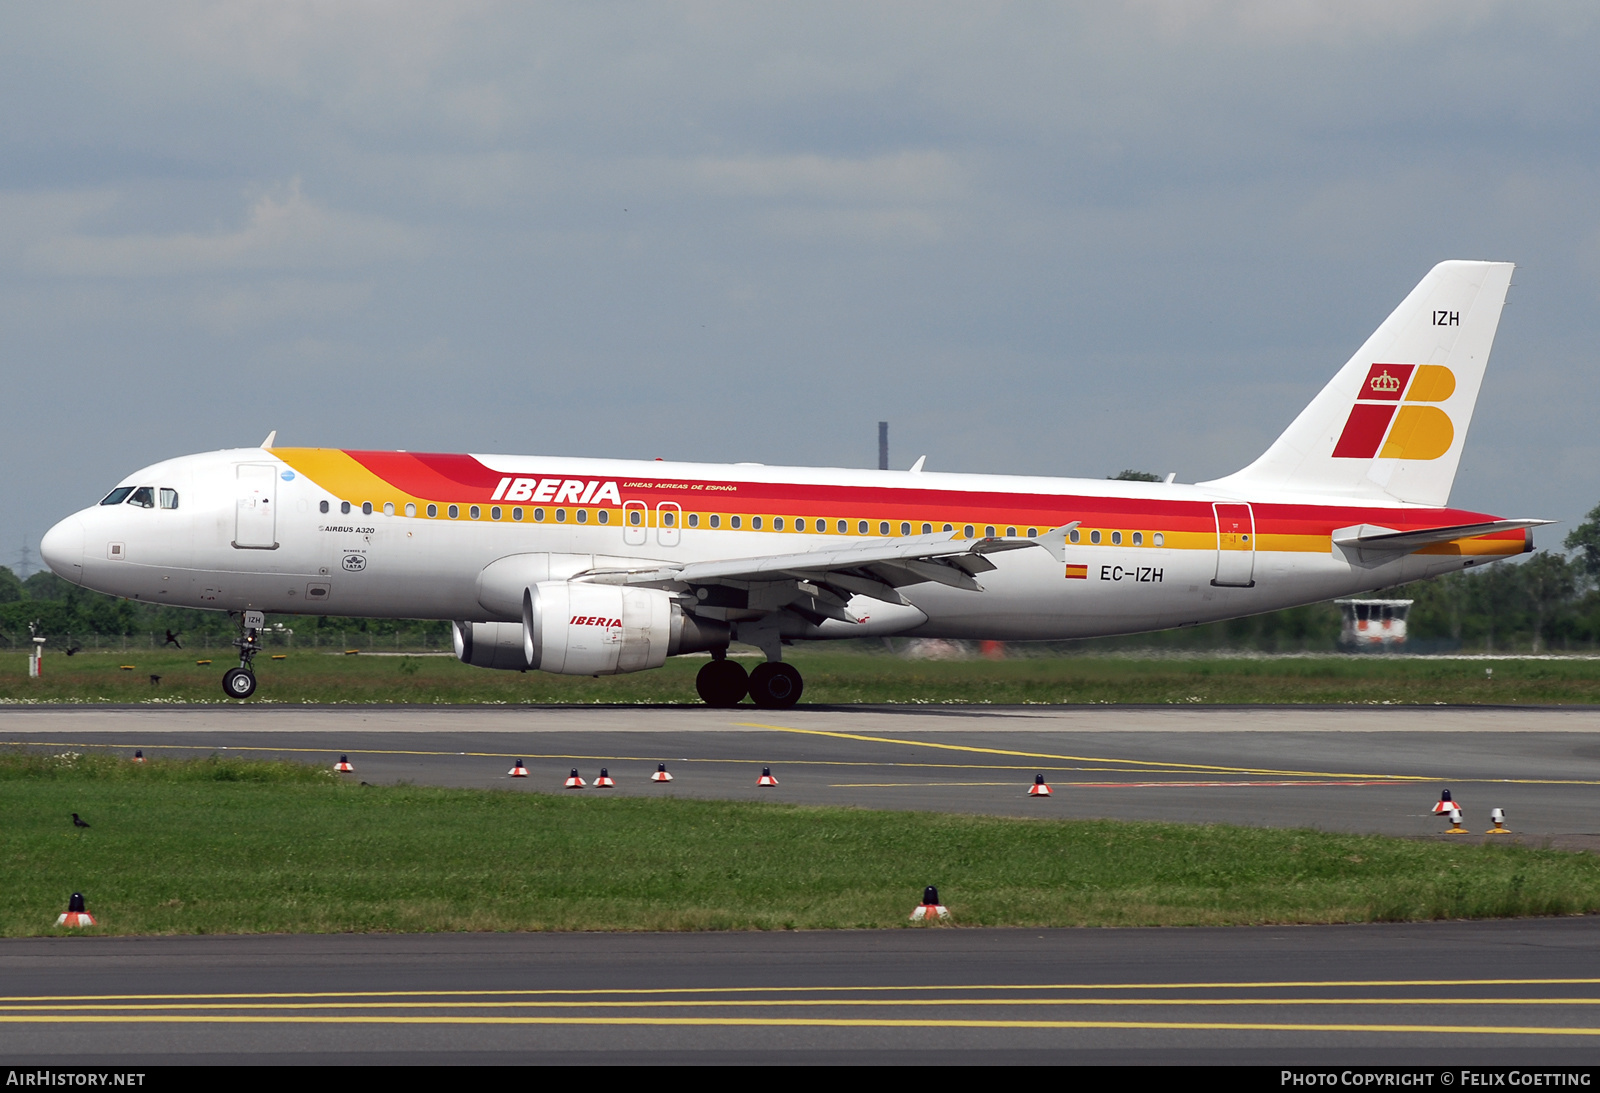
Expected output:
{"points": [[78, 821], [172, 639]]}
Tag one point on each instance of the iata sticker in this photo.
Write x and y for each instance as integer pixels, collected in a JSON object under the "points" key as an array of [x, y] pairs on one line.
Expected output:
{"points": [[354, 563]]}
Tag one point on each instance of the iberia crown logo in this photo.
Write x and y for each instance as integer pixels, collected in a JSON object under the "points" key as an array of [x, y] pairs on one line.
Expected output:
{"points": [[1385, 383]]}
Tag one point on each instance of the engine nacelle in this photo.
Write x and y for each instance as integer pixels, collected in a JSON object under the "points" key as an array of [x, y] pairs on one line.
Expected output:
{"points": [[580, 629], [490, 644]]}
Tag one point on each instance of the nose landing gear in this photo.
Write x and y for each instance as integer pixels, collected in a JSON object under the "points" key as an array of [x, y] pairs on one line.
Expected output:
{"points": [[240, 682]]}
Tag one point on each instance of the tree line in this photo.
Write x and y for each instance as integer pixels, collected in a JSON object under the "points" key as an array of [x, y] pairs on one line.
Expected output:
{"points": [[1547, 602]]}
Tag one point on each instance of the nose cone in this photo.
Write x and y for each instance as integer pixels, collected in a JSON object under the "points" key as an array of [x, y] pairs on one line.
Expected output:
{"points": [[62, 549]]}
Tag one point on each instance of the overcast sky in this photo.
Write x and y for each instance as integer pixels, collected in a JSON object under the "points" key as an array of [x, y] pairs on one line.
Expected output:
{"points": [[1037, 238]]}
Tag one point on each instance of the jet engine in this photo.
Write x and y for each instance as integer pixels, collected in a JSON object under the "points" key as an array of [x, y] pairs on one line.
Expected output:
{"points": [[490, 644], [580, 629]]}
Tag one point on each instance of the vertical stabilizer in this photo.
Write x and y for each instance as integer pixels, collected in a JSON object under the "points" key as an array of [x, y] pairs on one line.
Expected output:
{"points": [[1391, 424]]}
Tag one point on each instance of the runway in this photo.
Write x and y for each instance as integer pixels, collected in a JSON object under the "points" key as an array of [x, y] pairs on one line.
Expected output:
{"points": [[1367, 769], [1523, 993]]}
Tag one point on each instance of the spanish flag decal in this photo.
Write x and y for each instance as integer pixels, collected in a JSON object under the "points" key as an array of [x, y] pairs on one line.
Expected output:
{"points": [[1077, 572]]}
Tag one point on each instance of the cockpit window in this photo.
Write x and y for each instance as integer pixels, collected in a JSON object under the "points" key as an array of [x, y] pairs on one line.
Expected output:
{"points": [[144, 497], [118, 495], [169, 498]]}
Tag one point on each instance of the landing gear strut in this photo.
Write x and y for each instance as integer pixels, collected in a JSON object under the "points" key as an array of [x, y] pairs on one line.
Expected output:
{"points": [[240, 682]]}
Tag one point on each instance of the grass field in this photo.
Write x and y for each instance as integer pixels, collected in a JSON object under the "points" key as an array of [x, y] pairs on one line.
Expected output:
{"points": [[233, 846], [831, 677]]}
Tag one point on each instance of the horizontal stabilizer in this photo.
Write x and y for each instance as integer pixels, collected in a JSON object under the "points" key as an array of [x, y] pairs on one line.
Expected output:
{"points": [[1370, 537]]}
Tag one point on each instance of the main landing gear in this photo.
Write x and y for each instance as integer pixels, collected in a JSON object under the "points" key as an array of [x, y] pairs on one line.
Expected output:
{"points": [[772, 686], [240, 682]]}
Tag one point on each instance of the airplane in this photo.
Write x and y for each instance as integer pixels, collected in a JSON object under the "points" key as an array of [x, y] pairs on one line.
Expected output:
{"points": [[604, 566]]}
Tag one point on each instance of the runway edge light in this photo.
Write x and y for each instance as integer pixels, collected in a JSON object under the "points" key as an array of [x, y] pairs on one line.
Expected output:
{"points": [[1039, 787], [661, 774], [604, 781], [930, 910], [766, 778], [1455, 823], [1445, 805], [138, 756], [343, 765], [573, 781], [1498, 815], [518, 770], [77, 914]]}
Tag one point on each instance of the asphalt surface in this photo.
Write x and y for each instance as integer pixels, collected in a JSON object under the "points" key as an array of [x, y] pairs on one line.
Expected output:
{"points": [[1367, 769], [1520, 993]]}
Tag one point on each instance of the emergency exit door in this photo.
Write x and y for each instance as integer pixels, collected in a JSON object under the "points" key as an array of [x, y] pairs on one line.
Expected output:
{"points": [[1236, 546], [255, 519]]}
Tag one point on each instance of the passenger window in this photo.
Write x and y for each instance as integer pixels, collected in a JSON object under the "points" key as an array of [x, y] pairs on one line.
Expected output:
{"points": [[411, 510], [1158, 539], [1138, 538], [475, 512], [118, 495], [1094, 537], [433, 511], [344, 507], [1073, 535], [605, 516], [733, 521], [366, 508], [634, 517], [755, 522], [948, 527], [844, 526], [1033, 533], [716, 521], [883, 527], [583, 516], [169, 498], [516, 514], [561, 516], [777, 523], [323, 507], [861, 528], [694, 519], [667, 518], [799, 523], [144, 497], [388, 508], [453, 511], [988, 532], [494, 513], [1116, 538], [967, 531], [927, 529], [1011, 533], [538, 516]]}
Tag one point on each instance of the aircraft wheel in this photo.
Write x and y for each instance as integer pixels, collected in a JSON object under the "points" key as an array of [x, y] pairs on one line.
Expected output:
{"points": [[722, 683], [238, 683], [775, 685]]}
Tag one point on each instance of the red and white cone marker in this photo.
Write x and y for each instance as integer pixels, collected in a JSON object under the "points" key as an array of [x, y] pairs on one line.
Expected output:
{"points": [[573, 781], [604, 781], [518, 770], [661, 774], [138, 756], [1455, 823], [1445, 805], [1038, 789], [343, 765], [766, 778], [930, 910], [1498, 815], [77, 914]]}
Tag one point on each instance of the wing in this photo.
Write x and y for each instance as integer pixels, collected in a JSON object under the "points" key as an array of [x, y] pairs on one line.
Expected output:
{"points": [[1371, 538], [818, 584]]}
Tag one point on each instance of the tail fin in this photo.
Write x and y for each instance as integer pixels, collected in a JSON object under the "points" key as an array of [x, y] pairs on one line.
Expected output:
{"points": [[1391, 424]]}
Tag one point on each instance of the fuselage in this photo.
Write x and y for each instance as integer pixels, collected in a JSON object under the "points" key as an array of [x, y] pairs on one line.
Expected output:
{"points": [[402, 535]]}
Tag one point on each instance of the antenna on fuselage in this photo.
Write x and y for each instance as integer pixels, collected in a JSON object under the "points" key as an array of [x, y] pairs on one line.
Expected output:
{"points": [[267, 443]]}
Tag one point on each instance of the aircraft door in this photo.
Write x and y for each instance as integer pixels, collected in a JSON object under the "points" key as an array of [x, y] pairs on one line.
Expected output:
{"points": [[255, 525], [669, 518], [635, 523], [1236, 546]]}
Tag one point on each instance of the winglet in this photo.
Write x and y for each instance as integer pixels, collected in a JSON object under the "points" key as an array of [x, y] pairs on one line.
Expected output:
{"points": [[267, 443], [1055, 540], [916, 468]]}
